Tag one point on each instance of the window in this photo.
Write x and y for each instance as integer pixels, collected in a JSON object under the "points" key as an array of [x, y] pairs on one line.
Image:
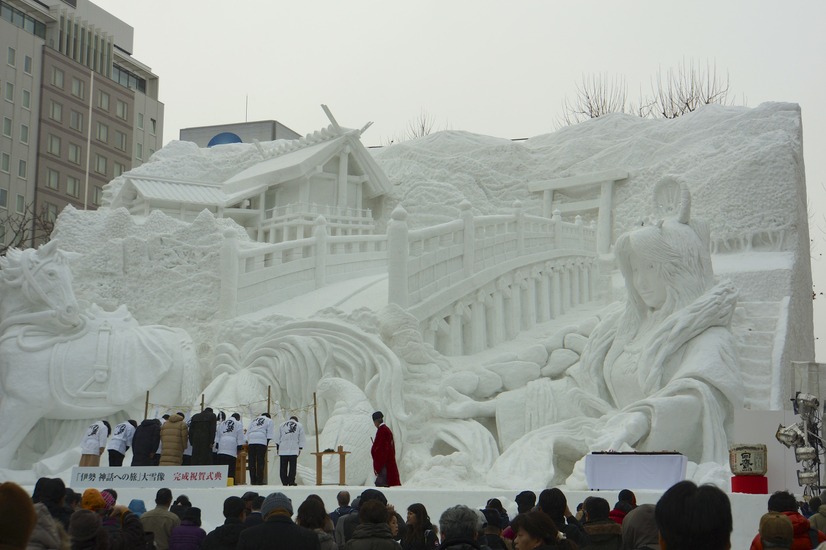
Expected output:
{"points": [[5, 162], [121, 109], [53, 145], [102, 132], [57, 78], [51, 211], [27, 65], [52, 179], [139, 151], [9, 91], [24, 134], [78, 88], [103, 101], [97, 196], [76, 121], [152, 124], [6, 126], [27, 99], [74, 153], [56, 111], [120, 140], [4, 198], [119, 169], [22, 169], [100, 164], [140, 121], [12, 56], [72, 186], [21, 204]]}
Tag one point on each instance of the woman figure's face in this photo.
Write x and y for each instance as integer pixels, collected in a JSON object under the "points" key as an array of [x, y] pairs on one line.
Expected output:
{"points": [[648, 282], [394, 524], [411, 518], [525, 541]]}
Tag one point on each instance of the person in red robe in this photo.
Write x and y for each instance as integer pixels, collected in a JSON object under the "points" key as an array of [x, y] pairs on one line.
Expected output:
{"points": [[384, 454]]}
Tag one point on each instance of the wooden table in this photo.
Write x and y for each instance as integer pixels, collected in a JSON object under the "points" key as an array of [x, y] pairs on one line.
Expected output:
{"points": [[341, 465]]}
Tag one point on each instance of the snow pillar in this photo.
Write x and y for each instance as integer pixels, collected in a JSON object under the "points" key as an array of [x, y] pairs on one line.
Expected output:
{"points": [[320, 234], [469, 239], [229, 275], [397, 255], [606, 200]]}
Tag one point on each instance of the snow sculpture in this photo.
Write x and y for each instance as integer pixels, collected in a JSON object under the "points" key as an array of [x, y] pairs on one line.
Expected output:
{"points": [[666, 356], [61, 361]]}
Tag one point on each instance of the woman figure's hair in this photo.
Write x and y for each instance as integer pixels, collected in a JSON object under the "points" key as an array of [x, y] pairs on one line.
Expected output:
{"points": [[540, 526], [311, 513], [415, 531]]}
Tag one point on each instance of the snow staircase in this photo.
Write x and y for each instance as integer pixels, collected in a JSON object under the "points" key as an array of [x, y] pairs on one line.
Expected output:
{"points": [[754, 325]]}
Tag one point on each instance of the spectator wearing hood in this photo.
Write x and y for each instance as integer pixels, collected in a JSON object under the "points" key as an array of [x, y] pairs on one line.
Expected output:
{"points": [[86, 531], [492, 530], [784, 503], [225, 537], [639, 529]]}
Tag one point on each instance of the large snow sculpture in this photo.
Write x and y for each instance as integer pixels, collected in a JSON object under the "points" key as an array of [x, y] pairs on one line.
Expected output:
{"points": [[666, 359], [60, 361]]}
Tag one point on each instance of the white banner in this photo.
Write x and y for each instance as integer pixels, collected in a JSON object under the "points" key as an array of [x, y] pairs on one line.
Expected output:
{"points": [[150, 476]]}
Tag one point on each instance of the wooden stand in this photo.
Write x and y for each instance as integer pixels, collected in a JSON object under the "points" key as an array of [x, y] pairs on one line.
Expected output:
{"points": [[341, 465], [241, 467]]}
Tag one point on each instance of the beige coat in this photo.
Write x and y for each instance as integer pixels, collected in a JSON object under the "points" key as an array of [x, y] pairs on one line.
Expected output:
{"points": [[173, 441]]}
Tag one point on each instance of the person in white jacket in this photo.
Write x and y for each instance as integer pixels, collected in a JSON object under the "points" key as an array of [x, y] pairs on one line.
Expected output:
{"points": [[230, 439], [290, 442], [259, 434], [121, 441], [93, 443]]}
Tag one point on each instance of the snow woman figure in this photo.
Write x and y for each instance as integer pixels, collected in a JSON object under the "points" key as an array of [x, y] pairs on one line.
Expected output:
{"points": [[660, 373]]}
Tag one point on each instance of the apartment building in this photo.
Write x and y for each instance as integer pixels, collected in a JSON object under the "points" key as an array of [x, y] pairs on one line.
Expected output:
{"points": [[77, 109]]}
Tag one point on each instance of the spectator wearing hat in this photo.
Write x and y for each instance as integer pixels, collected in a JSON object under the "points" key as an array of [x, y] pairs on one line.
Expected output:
{"points": [[383, 452], [159, 520], [86, 531], [278, 532], [18, 517], [51, 492], [254, 511], [492, 530], [639, 529], [776, 531], [785, 503], [289, 442], [225, 537], [137, 507], [188, 535]]}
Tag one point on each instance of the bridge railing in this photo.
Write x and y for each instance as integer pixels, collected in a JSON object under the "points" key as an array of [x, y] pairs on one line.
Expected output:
{"points": [[422, 262]]}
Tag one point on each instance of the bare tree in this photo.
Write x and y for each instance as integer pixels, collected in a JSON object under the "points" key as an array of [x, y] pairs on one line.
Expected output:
{"points": [[420, 126], [596, 96], [25, 229], [683, 89]]}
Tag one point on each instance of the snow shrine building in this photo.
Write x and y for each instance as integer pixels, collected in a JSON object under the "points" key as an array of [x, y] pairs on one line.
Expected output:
{"points": [[327, 173]]}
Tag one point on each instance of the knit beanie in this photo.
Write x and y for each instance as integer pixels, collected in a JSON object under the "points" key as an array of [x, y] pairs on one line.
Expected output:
{"points": [[92, 500], [84, 525], [275, 501], [108, 499], [233, 506], [17, 516]]}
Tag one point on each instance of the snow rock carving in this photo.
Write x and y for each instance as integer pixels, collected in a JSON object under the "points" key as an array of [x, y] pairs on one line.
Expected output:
{"points": [[60, 361]]}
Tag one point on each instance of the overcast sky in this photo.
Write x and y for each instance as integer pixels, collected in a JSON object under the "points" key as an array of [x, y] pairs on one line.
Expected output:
{"points": [[490, 67]]}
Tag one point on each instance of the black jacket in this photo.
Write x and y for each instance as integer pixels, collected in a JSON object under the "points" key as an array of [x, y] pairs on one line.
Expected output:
{"points": [[202, 436], [224, 537], [145, 442], [278, 533]]}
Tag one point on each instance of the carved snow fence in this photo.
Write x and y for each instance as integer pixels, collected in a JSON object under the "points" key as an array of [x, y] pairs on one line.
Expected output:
{"points": [[257, 276], [478, 281]]}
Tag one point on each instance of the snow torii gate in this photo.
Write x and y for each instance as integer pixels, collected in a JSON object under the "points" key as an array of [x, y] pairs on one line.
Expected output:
{"points": [[584, 184]]}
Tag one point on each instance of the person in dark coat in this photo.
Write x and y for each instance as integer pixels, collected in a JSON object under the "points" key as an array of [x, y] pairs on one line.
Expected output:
{"points": [[188, 535], [51, 492], [278, 532], [626, 501], [554, 503], [145, 442], [603, 532], [346, 525], [344, 508], [373, 532], [253, 511], [225, 537], [202, 436]]}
